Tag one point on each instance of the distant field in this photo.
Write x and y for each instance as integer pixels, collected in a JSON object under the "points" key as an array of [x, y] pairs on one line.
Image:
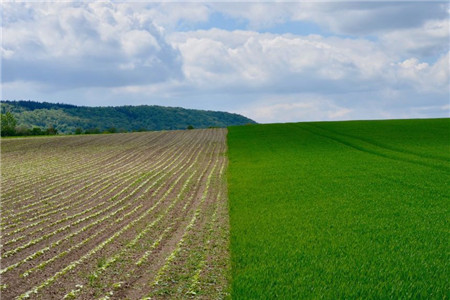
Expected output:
{"points": [[115, 216], [340, 210]]}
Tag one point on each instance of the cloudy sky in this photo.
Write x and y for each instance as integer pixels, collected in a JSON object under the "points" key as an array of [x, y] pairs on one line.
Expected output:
{"points": [[272, 62]]}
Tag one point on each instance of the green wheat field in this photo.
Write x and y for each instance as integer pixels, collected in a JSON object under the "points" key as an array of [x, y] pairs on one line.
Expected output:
{"points": [[340, 210]]}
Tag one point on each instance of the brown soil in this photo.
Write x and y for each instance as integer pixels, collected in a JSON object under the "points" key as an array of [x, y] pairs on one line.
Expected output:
{"points": [[156, 181]]}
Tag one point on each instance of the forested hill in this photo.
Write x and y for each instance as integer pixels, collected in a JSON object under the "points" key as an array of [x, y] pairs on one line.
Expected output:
{"points": [[67, 118]]}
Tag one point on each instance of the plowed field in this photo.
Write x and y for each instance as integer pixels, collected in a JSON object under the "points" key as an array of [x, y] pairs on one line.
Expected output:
{"points": [[115, 216]]}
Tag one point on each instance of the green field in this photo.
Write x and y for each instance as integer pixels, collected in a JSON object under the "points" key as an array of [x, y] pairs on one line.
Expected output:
{"points": [[340, 210]]}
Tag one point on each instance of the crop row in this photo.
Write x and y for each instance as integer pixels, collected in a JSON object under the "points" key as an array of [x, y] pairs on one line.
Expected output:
{"points": [[98, 213], [194, 244], [117, 206], [45, 167], [88, 172], [156, 241], [39, 162], [77, 176], [70, 202], [113, 170], [111, 260]]}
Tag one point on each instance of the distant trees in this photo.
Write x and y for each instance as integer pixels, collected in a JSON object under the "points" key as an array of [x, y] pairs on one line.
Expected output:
{"points": [[38, 131], [92, 131], [35, 131], [140, 129], [51, 130], [96, 130], [8, 124], [9, 127], [122, 119]]}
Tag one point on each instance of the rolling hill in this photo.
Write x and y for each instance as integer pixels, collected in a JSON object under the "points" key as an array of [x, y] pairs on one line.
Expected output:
{"points": [[67, 118]]}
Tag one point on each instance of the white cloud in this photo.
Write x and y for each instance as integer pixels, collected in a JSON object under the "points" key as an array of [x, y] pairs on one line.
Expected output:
{"points": [[431, 39], [295, 108], [171, 15], [349, 17], [68, 45], [257, 15], [415, 28], [424, 77], [254, 62], [368, 18]]}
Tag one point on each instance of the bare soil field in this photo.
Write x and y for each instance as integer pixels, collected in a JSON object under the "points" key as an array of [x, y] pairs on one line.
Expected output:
{"points": [[118, 216]]}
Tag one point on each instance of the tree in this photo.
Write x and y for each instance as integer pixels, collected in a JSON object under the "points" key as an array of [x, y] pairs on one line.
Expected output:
{"points": [[92, 131], [36, 131], [112, 130], [190, 127], [51, 130], [8, 124]]}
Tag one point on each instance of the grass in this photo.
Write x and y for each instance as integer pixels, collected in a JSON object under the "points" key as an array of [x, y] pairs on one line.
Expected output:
{"points": [[340, 210]]}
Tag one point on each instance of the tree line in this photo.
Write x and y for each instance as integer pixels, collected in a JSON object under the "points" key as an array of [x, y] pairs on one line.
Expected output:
{"points": [[9, 127], [70, 119]]}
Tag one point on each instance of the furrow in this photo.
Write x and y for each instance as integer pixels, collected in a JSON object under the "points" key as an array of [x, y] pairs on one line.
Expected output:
{"points": [[74, 264]]}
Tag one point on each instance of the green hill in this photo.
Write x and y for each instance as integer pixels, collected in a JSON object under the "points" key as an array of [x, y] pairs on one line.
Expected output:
{"points": [[67, 118]]}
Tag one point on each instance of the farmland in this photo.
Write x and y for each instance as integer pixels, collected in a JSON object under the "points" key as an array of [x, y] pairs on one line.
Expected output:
{"points": [[340, 210], [115, 216], [317, 210]]}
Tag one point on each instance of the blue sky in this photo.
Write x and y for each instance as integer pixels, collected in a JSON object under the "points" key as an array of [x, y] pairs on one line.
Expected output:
{"points": [[273, 62]]}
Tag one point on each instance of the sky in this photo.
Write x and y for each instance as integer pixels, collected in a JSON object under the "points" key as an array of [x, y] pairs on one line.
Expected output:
{"points": [[272, 62]]}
